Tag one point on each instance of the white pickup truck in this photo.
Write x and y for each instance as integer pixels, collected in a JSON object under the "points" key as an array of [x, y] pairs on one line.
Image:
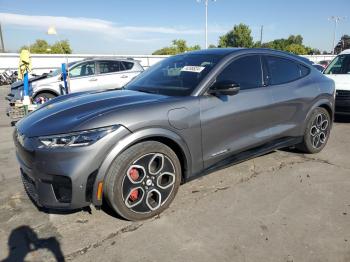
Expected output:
{"points": [[339, 71]]}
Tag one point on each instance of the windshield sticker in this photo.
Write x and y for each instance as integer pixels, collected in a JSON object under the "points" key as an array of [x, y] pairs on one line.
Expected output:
{"points": [[193, 69]]}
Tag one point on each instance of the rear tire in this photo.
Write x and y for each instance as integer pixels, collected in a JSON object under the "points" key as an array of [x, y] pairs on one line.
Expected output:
{"points": [[317, 131], [143, 180]]}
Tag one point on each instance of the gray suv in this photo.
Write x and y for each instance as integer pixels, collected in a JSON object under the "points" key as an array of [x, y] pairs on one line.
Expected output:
{"points": [[184, 117]]}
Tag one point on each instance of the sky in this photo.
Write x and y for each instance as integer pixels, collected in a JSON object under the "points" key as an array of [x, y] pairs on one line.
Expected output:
{"points": [[140, 26]]}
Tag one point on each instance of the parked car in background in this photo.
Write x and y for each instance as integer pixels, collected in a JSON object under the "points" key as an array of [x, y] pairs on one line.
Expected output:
{"points": [[318, 67], [185, 116], [17, 87], [86, 75], [324, 63], [339, 71]]}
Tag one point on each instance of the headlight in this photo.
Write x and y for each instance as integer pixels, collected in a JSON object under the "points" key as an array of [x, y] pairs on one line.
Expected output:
{"points": [[82, 138]]}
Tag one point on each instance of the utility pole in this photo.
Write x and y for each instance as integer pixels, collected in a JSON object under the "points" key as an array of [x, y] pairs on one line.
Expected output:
{"points": [[336, 20], [206, 3], [2, 49], [261, 34]]}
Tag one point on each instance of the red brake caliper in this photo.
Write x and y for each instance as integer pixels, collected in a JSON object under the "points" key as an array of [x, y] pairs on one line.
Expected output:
{"points": [[134, 175]]}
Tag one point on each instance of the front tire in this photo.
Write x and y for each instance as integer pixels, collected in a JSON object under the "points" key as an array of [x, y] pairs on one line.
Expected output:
{"points": [[317, 131], [42, 98], [143, 180]]}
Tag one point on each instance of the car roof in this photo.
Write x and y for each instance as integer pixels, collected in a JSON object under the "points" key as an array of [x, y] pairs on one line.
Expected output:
{"points": [[124, 59], [229, 51], [347, 51], [216, 51]]}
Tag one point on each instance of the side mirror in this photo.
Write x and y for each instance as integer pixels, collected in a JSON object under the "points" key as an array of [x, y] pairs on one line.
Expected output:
{"points": [[228, 88], [61, 77]]}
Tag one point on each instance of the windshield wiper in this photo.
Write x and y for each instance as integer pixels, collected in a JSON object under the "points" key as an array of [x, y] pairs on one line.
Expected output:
{"points": [[147, 91]]}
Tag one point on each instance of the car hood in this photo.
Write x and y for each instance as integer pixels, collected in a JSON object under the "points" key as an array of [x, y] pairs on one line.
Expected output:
{"points": [[19, 84], [69, 113]]}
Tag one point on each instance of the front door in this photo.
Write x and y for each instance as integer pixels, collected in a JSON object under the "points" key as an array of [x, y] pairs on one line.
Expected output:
{"points": [[231, 124], [83, 77]]}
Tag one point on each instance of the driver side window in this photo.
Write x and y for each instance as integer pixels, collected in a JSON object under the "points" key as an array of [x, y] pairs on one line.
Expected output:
{"points": [[245, 71]]}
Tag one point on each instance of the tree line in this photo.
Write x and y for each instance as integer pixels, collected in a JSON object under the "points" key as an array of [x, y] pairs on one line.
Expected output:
{"points": [[240, 36], [40, 46]]}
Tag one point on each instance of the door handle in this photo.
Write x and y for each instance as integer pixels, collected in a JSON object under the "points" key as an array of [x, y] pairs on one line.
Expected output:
{"points": [[93, 79], [124, 76]]}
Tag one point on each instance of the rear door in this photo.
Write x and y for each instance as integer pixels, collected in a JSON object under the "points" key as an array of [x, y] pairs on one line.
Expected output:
{"points": [[291, 92], [231, 124], [114, 74], [83, 77]]}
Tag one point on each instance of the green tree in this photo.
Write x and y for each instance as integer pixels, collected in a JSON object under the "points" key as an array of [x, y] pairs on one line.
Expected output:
{"points": [[178, 46], [40, 46], [343, 44], [239, 36], [61, 47], [296, 49], [295, 39], [212, 46], [293, 44]]}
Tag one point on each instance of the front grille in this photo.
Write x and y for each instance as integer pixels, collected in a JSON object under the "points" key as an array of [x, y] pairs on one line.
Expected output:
{"points": [[342, 95], [343, 109], [30, 188], [62, 188]]}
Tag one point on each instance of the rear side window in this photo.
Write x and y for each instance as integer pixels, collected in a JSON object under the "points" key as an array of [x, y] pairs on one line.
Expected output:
{"points": [[109, 67], [304, 71], [283, 70], [245, 71], [127, 65]]}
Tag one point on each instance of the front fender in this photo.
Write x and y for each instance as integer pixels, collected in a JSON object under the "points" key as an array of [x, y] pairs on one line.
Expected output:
{"points": [[131, 139], [43, 89]]}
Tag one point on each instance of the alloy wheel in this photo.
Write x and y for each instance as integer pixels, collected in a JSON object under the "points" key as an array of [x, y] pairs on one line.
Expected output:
{"points": [[148, 183], [319, 130]]}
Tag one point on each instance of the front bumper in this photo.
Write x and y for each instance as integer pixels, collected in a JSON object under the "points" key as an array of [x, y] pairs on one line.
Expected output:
{"points": [[62, 178], [342, 102]]}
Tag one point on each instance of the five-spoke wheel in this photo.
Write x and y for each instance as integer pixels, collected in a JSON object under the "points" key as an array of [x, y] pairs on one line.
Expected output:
{"points": [[148, 182], [143, 180], [317, 131]]}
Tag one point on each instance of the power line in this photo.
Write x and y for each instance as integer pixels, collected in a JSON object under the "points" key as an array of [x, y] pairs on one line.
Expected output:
{"points": [[261, 34], [336, 20], [2, 49], [206, 2]]}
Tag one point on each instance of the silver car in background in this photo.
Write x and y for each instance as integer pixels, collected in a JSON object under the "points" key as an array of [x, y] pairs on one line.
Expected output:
{"points": [[86, 75]]}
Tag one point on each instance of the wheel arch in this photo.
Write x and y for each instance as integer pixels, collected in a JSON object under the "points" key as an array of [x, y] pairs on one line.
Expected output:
{"points": [[46, 90], [165, 136], [329, 110], [323, 103]]}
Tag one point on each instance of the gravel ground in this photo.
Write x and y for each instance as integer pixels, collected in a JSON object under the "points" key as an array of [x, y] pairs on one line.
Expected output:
{"points": [[283, 206]]}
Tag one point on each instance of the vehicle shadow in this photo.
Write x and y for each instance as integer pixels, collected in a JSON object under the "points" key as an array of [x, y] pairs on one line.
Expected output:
{"points": [[109, 211], [23, 240]]}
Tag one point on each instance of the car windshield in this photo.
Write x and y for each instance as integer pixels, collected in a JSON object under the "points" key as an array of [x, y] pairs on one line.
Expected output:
{"points": [[340, 65], [175, 76]]}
